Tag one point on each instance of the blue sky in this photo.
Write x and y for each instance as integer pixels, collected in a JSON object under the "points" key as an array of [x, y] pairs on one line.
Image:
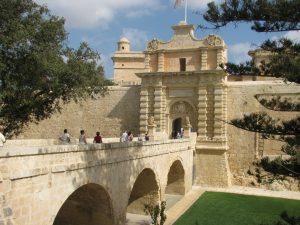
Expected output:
{"points": [[103, 22]]}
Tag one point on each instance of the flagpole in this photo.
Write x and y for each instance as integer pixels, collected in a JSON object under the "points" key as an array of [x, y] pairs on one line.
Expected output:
{"points": [[185, 14]]}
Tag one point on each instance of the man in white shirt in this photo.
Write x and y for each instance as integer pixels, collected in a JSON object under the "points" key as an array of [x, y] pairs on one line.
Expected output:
{"points": [[124, 137], [2, 138], [65, 138]]}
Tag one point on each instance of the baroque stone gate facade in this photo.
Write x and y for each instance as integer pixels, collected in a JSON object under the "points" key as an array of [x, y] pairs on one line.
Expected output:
{"points": [[184, 87]]}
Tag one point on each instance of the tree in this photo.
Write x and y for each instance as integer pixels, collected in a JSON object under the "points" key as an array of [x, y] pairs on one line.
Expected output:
{"points": [[157, 212], [268, 16], [38, 71]]}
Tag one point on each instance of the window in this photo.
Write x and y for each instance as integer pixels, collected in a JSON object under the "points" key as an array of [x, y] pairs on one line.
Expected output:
{"points": [[123, 48], [182, 62]]}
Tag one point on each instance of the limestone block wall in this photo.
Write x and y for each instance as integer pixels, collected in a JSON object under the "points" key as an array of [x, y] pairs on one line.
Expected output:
{"points": [[245, 146], [36, 181], [111, 115], [171, 61]]}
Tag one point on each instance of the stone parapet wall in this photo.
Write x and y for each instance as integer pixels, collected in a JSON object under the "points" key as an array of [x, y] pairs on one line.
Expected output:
{"points": [[244, 146], [111, 115], [36, 181]]}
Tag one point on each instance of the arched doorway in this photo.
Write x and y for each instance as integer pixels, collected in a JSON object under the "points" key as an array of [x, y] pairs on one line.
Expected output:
{"points": [[145, 191], [175, 184], [176, 126], [181, 114], [89, 204]]}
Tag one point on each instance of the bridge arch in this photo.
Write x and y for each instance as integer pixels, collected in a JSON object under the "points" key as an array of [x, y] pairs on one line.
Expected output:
{"points": [[176, 178], [145, 190], [89, 204]]}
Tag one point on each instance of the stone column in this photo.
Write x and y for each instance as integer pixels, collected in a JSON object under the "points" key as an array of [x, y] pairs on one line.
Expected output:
{"points": [[204, 59], [160, 66], [143, 109], [202, 98]]}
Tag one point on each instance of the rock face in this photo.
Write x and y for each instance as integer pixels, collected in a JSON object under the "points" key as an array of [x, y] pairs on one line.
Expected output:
{"points": [[257, 177]]}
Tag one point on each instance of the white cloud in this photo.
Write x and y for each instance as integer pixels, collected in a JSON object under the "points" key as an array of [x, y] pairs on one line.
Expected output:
{"points": [[239, 52], [195, 4], [200, 4], [91, 13], [293, 35], [138, 38], [138, 13]]}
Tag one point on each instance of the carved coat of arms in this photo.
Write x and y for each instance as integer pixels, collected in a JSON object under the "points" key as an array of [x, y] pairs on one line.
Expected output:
{"points": [[152, 45]]}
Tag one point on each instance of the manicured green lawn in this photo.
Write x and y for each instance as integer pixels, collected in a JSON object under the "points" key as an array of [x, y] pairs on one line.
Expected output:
{"points": [[214, 208]]}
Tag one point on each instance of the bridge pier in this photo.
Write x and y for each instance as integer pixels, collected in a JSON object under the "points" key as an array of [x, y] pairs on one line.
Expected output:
{"points": [[211, 164]]}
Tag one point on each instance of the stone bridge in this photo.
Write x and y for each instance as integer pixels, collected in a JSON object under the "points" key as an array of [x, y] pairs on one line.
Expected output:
{"points": [[90, 184]]}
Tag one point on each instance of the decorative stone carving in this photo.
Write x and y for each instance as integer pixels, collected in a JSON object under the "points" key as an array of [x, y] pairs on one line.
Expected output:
{"points": [[152, 45], [213, 40], [181, 108], [187, 121], [151, 120]]}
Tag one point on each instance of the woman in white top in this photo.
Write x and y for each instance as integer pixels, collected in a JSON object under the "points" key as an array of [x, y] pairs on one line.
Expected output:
{"points": [[82, 139]]}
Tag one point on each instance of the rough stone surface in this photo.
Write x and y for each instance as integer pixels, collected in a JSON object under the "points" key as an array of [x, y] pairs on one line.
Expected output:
{"points": [[111, 115]]}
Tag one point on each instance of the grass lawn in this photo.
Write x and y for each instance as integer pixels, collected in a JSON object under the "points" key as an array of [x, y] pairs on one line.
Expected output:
{"points": [[215, 208]]}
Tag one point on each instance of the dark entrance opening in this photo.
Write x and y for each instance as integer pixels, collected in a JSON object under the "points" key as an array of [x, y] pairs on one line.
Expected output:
{"points": [[182, 62], [176, 127]]}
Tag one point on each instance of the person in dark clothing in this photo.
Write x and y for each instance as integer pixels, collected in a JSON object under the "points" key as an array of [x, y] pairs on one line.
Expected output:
{"points": [[97, 138]]}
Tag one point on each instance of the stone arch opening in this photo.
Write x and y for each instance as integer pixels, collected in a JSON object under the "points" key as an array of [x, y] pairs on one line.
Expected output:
{"points": [[186, 112], [176, 126], [89, 204], [145, 191], [175, 184]]}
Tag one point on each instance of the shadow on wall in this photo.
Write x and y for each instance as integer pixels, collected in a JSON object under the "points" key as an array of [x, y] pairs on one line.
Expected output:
{"points": [[127, 111]]}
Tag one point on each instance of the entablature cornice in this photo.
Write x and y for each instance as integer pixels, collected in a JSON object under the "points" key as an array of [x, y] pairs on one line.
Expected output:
{"points": [[203, 48], [182, 73]]}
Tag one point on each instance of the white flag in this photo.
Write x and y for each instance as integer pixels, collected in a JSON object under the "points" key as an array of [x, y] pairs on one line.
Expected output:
{"points": [[178, 3]]}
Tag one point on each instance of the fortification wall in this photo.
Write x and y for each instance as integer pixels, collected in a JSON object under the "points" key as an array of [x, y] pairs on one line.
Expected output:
{"points": [[244, 146], [111, 115]]}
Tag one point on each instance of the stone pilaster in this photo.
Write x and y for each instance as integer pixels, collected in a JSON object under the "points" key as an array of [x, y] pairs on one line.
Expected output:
{"points": [[202, 101], [211, 160], [218, 113], [164, 106], [204, 59], [158, 108], [224, 125], [160, 66], [219, 58], [210, 112], [147, 62], [143, 109]]}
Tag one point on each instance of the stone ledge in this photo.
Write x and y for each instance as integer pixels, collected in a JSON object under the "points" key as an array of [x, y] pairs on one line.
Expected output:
{"points": [[60, 168], [11, 151]]}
